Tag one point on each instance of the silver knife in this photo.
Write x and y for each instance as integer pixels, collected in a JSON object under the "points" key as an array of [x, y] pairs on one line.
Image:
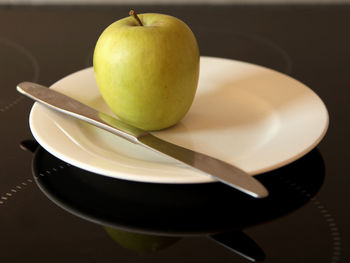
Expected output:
{"points": [[217, 169]]}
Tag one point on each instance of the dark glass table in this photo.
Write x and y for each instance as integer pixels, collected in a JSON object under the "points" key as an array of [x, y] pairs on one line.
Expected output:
{"points": [[51, 211]]}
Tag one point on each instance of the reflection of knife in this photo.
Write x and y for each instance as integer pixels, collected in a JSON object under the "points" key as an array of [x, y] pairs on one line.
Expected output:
{"points": [[241, 244], [215, 168]]}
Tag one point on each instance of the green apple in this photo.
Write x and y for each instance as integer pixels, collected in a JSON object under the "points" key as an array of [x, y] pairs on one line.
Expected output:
{"points": [[147, 69], [140, 243]]}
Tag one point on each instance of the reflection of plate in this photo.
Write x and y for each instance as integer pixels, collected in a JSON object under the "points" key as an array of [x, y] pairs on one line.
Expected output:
{"points": [[183, 209], [247, 115]]}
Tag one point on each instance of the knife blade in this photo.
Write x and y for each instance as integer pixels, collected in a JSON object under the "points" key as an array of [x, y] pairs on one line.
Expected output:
{"points": [[215, 168]]}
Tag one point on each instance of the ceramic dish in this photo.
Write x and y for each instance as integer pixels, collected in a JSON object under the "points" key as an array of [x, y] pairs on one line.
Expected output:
{"points": [[247, 115]]}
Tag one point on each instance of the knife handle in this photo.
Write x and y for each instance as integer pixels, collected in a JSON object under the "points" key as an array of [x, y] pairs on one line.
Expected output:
{"points": [[72, 107], [219, 170]]}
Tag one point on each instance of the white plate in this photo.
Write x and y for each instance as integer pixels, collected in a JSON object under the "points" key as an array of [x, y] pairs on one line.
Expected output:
{"points": [[244, 114]]}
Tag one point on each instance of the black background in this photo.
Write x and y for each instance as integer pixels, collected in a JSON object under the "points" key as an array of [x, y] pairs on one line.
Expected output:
{"points": [[309, 43]]}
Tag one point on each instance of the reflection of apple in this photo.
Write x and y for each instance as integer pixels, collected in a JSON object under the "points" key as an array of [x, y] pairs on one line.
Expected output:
{"points": [[140, 242], [147, 69]]}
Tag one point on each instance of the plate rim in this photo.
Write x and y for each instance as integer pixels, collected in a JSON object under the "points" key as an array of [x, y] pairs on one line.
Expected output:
{"points": [[203, 179]]}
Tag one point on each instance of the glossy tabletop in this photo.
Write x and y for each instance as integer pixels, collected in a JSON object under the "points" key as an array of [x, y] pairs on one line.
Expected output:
{"points": [[51, 211]]}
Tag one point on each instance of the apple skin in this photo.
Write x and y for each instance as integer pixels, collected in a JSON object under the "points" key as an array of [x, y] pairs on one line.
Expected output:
{"points": [[147, 75], [141, 243]]}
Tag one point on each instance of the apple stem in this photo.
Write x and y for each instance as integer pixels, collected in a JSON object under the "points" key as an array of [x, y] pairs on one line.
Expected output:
{"points": [[134, 15]]}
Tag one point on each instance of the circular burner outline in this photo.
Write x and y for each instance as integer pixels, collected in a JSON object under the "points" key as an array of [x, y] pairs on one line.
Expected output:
{"points": [[32, 59], [286, 58], [325, 213], [14, 190], [328, 218]]}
